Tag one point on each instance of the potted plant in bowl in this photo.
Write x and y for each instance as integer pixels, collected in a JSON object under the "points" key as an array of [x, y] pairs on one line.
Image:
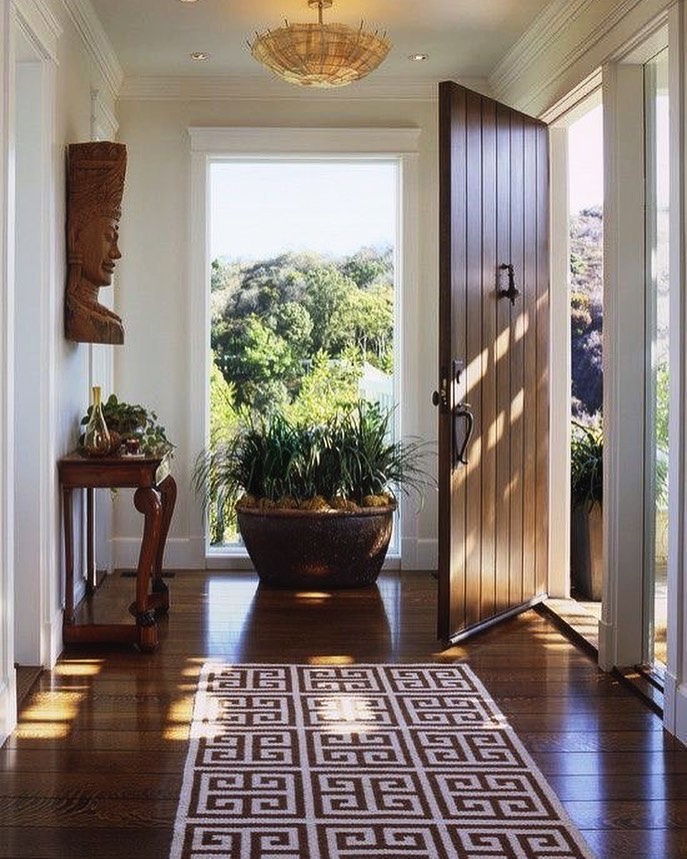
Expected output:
{"points": [[314, 502], [586, 497], [132, 426]]}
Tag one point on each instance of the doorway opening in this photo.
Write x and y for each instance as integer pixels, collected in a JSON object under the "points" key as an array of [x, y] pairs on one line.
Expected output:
{"points": [[657, 328], [585, 223], [304, 303]]}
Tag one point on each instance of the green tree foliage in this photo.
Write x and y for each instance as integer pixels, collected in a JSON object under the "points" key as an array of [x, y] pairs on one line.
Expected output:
{"points": [[327, 388], [296, 330], [369, 266], [224, 422], [586, 271]]}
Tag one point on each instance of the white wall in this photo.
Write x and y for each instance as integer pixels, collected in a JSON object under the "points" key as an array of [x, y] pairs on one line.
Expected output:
{"points": [[153, 297], [69, 73]]}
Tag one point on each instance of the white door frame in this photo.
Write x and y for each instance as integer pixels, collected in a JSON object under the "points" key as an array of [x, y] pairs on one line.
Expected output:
{"points": [[39, 27], [209, 144], [559, 118]]}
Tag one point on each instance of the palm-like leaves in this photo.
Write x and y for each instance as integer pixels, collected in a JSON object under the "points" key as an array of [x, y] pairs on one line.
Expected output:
{"points": [[350, 456], [586, 465]]}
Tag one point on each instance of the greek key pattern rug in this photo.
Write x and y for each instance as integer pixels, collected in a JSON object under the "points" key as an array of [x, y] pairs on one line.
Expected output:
{"points": [[351, 762]]}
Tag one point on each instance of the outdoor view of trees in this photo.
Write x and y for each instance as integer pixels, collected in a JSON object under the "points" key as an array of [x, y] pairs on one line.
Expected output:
{"points": [[586, 313], [297, 333], [302, 334]]}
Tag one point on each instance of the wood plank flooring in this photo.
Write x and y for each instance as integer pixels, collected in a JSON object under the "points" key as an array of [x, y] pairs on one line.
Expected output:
{"points": [[95, 767]]}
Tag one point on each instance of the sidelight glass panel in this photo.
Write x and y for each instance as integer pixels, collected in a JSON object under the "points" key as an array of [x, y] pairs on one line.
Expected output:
{"points": [[658, 364], [585, 197]]}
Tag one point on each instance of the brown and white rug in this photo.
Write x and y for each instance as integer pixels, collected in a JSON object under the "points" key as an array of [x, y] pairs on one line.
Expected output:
{"points": [[350, 762]]}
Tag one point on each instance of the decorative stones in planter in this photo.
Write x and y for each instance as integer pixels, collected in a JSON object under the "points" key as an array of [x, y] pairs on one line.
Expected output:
{"points": [[317, 549]]}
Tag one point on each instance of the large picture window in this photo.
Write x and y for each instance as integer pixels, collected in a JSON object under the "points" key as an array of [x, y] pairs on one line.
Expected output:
{"points": [[305, 288], [303, 292]]}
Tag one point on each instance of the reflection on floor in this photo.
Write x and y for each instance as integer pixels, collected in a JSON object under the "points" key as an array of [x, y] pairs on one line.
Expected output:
{"points": [[95, 766], [580, 617], [583, 615]]}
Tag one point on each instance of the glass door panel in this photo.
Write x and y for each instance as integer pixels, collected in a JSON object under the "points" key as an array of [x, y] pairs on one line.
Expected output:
{"points": [[657, 352]]}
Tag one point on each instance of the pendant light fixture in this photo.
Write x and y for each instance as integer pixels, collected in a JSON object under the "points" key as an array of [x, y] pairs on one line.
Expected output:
{"points": [[320, 55]]}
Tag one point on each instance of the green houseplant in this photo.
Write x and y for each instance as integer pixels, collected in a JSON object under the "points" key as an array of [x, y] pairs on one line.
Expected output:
{"points": [[586, 499], [130, 423], [314, 501]]}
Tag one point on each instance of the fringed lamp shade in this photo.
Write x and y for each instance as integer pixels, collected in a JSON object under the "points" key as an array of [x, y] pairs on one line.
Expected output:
{"points": [[320, 55]]}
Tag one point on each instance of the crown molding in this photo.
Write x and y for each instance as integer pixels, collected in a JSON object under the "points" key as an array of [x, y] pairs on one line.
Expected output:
{"points": [[218, 88], [39, 25], [96, 43], [547, 27], [296, 141], [548, 24]]}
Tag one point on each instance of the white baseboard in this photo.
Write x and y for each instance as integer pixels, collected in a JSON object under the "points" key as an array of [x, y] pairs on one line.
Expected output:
{"points": [[190, 554], [180, 553], [670, 702], [606, 646], [229, 562], [53, 639], [675, 707], [427, 555], [79, 589], [8, 707]]}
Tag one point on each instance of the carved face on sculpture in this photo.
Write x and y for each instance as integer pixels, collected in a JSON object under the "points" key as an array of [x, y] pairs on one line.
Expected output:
{"points": [[99, 248]]}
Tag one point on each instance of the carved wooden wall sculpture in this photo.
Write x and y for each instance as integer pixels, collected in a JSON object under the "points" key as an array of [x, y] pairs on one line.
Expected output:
{"points": [[95, 184]]}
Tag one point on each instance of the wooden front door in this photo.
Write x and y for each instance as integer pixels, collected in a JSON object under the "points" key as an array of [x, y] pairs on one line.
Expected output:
{"points": [[494, 344]]}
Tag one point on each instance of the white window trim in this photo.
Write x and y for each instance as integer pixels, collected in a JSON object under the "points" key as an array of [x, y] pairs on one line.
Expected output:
{"points": [[210, 144]]}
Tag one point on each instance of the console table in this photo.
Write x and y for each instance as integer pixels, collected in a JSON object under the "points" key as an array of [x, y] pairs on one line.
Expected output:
{"points": [[155, 497]]}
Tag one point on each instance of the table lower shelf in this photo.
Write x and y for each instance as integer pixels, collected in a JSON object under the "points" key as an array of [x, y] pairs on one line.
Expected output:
{"points": [[141, 631]]}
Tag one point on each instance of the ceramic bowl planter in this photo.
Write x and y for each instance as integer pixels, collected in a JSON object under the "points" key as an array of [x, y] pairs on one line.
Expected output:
{"points": [[317, 549], [586, 485], [314, 502]]}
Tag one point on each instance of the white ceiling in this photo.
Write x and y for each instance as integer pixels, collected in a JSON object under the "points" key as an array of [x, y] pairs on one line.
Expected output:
{"points": [[464, 38]]}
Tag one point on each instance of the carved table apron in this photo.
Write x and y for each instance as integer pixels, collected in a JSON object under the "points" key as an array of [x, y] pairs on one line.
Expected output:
{"points": [[155, 497]]}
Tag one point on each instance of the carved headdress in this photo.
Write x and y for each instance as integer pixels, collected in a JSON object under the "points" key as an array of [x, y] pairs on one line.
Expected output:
{"points": [[95, 184]]}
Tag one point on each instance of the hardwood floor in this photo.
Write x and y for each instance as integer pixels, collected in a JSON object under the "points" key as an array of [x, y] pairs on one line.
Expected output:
{"points": [[95, 767]]}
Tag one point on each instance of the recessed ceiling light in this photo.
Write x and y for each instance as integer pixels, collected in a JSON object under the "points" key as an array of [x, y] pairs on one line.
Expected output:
{"points": [[418, 58], [201, 56], [188, 1]]}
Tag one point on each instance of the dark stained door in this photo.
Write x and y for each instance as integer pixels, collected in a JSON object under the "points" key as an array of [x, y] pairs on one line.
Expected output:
{"points": [[493, 356]]}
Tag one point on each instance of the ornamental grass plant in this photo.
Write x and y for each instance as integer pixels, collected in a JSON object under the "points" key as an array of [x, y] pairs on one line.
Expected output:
{"points": [[345, 463]]}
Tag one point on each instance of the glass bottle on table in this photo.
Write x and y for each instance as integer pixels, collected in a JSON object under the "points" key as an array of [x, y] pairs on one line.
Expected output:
{"points": [[96, 441]]}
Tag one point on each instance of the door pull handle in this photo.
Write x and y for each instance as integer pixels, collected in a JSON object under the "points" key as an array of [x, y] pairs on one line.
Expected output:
{"points": [[462, 412]]}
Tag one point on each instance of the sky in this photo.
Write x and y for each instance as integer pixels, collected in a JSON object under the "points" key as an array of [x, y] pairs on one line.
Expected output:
{"points": [[261, 209], [585, 161]]}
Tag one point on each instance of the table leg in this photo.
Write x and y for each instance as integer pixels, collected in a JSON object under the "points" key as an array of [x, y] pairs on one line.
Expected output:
{"points": [[168, 497], [68, 517], [90, 543], [147, 501]]}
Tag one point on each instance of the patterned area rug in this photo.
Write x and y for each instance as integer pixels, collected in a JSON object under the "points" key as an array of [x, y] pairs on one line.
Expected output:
{"points": [[350, 762]]}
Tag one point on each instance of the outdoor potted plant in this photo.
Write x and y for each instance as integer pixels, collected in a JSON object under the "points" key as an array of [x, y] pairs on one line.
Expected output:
{"points": [[586, 495], [314, 502]]}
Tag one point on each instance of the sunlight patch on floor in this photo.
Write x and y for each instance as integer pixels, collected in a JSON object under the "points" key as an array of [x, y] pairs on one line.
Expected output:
{"points": [[50, 715], [78, 667]]}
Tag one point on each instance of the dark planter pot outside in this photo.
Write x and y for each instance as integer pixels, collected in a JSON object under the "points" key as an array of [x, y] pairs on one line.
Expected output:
{"points": [[586, 552], [324, 549]]}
